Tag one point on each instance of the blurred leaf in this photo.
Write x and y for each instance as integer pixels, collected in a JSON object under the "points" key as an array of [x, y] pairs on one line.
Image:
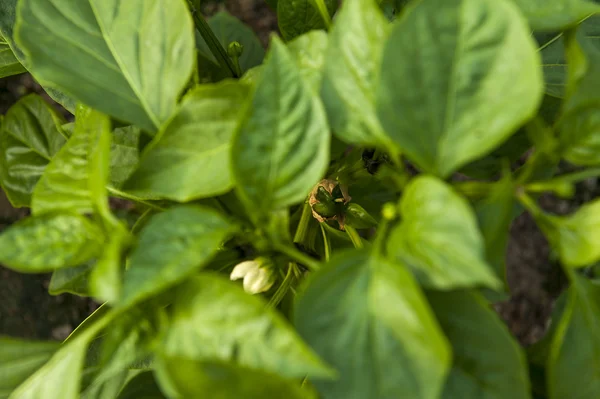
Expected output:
{"points": [[72, 280], [296, 17], [552, 15], [309, 52], [142, 386], [9, 65]]}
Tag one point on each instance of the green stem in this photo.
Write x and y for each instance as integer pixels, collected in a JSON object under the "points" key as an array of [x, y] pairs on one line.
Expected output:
{"points": [[572, 177], [529, 203], [302, 229], [322, 8], [212, 42], [354, 236], [326, 242], [123, 195], [299, 256], [283, 289]]}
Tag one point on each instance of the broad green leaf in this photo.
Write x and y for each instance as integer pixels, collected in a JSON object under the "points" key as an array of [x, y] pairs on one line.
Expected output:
{"points": [[142, 386], [351, 73], [60, 377], [368, 318], [124, 154], [438, 237], [309, 52], [72, 280], [553, 15], [296, 17], [9, 65], [488, 363], [48, 242], [572, 369], [7, 23], [183, 378], [575, 237], [227, 29], [472, 68], [19, 359], [171, 246], [75, 178], [29, 137], [281, 150], [129, 59], [215, 320], [579, 125], [190, 157]]}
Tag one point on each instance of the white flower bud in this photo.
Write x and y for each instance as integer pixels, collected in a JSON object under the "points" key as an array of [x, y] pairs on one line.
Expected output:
{"points": [[257, 278]]}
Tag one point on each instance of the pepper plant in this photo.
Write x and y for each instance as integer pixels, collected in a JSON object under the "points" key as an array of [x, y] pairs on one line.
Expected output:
{"points": [[326, 219]]}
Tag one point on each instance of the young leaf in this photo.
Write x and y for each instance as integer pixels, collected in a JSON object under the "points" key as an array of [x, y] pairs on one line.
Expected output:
{"points": [[572, 371], [190, 157], [185, 378], [124, 154], [296, 17], [229, 29], [129, 59], [438, 238], [553, 15], [9, 65], [19, 359], [76, 177], [29, 137], [309, 51], [351, 73], [367, 317], [72, 280], [229, 325], [48, 242], [472, 68], [281, 150], [574, 237], [481, 370], [171, 246]]}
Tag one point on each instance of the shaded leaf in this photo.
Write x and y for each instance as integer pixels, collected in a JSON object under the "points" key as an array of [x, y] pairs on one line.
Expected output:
{"points": [[367, 317], [143, 385], [48, 242], [171, 246], [545, 15], [477, 82], [128, 59], [438, 237], [29, 137], [72, 280], [9, 65], [296, 17], [190, 157]]}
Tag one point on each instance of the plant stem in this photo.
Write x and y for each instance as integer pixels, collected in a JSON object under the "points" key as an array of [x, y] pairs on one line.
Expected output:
{"points": [[283, 288], [212, 42], [354, 236], [121, 194], [326, 242], [302, 229], [572, 177], [299, 256]]}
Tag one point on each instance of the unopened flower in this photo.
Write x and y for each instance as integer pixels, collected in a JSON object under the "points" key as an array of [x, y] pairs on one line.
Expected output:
{"points": [[258, 276]]}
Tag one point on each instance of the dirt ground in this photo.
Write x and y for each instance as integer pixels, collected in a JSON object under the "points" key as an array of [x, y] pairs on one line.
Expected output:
{"points": [[26, 309]]}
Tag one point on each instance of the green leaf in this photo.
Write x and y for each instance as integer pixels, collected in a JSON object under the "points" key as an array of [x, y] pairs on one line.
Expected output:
{"points": [[227, 29], [281, 150], [572, 369], [184, 378], [296, 17], [438, 237], [575, 237], [215, 320], [477, 82], [60, 377], [481, 370], [7, 23], [552, 15], [29, 137], [48, 242], [9, 65], [369, 319], [309, 52], [72, 280], [124, 154], [142, 386], [19, 359], [351, 73], [129, 59], [579, 125], [76, 177], [171, 246], [190, 157]]}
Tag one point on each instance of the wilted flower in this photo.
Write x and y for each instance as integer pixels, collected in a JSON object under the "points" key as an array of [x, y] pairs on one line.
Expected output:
{"points": [[258, 276]]}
